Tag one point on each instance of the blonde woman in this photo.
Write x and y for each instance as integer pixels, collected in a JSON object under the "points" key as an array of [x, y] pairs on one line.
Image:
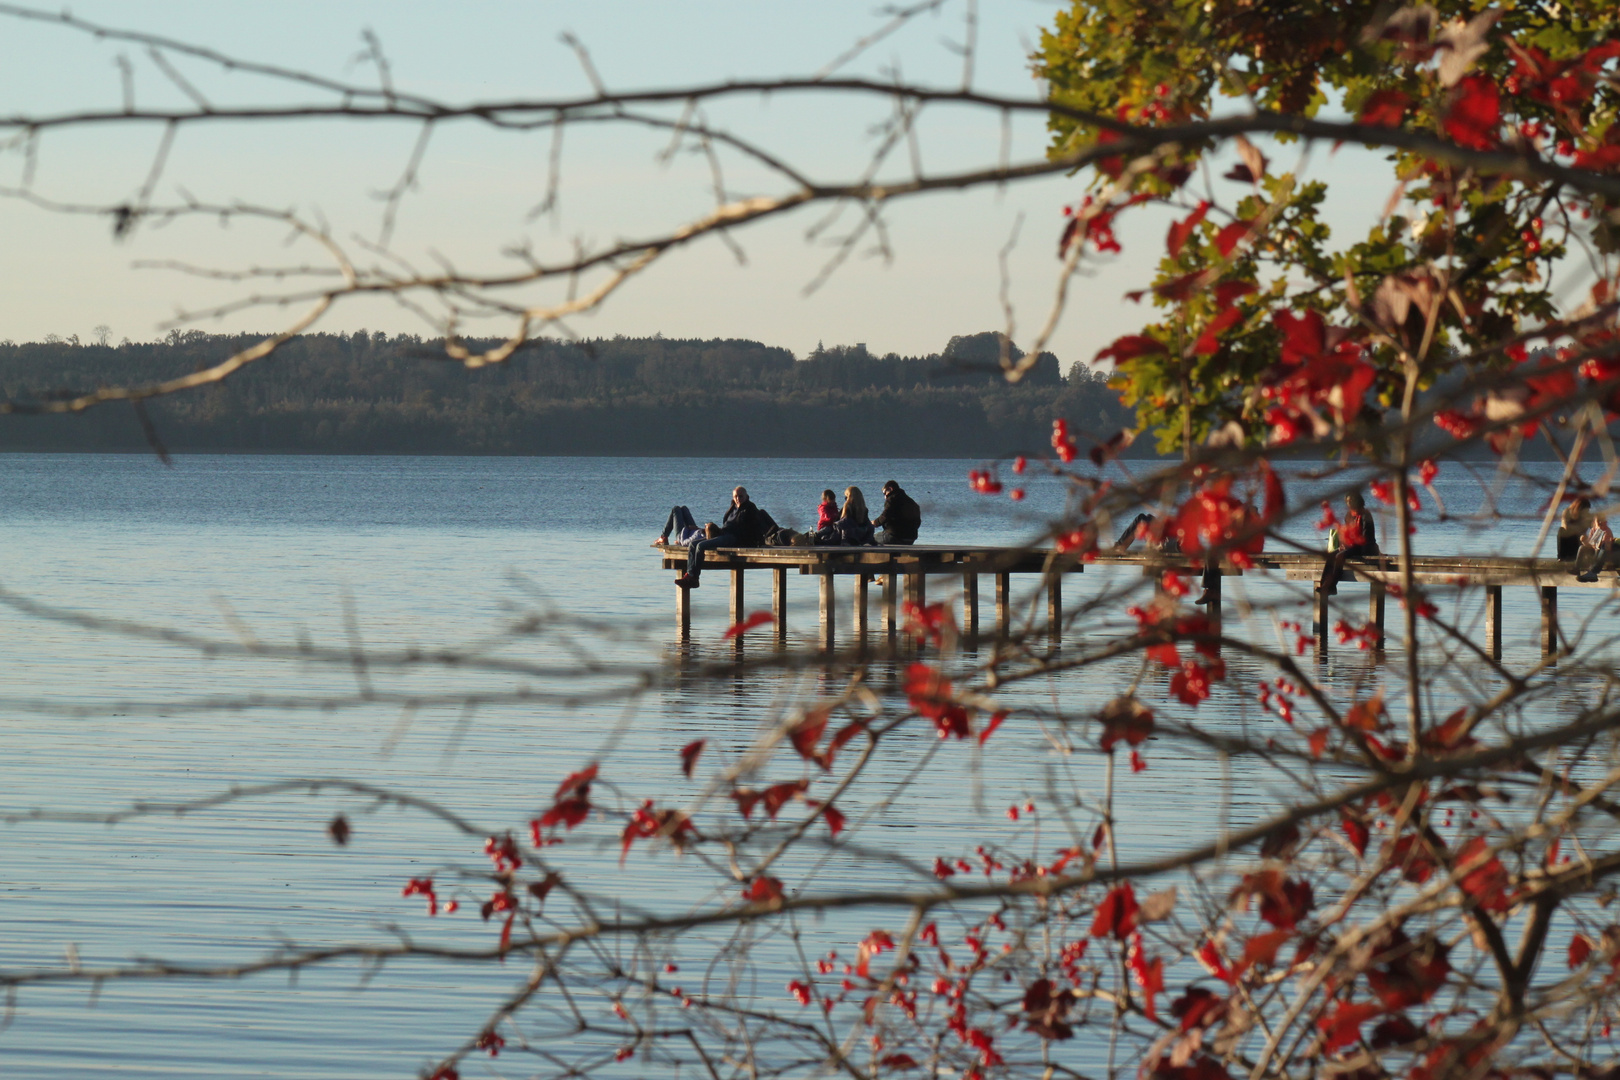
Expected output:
{"points": [[853, 526]]}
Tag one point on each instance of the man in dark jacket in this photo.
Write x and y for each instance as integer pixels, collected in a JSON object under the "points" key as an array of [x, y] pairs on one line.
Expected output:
{"points": [[743, 526], [901, 517]]}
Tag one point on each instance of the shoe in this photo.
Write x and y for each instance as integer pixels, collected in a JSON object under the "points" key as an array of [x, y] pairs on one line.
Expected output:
{"points": [[687, 581], [1204, 599], [660, 542]]}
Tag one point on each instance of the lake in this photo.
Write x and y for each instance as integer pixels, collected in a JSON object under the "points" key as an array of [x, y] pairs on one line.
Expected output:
{"points": [[432, 552]]}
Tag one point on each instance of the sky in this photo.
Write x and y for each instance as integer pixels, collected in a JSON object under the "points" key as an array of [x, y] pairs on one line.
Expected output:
{"points": [[65, 274]]}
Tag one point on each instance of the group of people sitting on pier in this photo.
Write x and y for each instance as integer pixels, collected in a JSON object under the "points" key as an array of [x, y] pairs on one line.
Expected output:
{"points": [[746, 525], [1584, 539]]}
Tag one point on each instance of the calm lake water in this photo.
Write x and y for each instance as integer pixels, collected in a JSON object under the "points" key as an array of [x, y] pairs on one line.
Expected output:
{"points": [[434, 552]]}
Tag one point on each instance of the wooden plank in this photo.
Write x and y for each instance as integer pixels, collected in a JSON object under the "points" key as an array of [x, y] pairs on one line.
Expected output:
{"points": [[970, 607], [1549, 619], [1493, 621], [829, 620], [859, 627], [779, 576], [739, 610]]}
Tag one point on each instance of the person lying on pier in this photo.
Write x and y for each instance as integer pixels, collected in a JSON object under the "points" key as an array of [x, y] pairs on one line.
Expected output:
{"points": [[681, 526], [1596, 547], [827, 511], [901, 518], [1142, 528], [743, 526], [853, 528], [1572, 525], [1358, 538]]}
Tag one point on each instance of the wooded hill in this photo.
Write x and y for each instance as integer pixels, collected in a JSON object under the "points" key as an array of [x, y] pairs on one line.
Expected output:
{"points": [[371, 393]]}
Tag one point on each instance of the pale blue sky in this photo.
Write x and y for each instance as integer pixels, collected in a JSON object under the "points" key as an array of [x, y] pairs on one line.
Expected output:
{"points": [[66, 275]]}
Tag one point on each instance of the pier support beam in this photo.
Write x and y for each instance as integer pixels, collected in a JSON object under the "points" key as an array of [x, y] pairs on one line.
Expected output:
{"points": [[859, 626], [1054, 606], [1321, 626], [1375, 612], [683, 612], [917, 589], [779, 602], [891, 585], [970, 607], [738, 610], [1549, 619], [829, 620], [1004, 605], [1493, 621]]}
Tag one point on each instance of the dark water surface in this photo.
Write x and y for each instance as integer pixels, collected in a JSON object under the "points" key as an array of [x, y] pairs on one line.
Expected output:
{"points": [[430, 552]]}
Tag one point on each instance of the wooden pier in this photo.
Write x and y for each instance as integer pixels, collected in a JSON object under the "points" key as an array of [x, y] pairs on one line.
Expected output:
{"points": [[909, 568]]}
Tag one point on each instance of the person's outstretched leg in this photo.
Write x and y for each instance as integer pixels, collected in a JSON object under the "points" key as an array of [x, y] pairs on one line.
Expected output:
{"points": [[680, 521], [1128, 537]]}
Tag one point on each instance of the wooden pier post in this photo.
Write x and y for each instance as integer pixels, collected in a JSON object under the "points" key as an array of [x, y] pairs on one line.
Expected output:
{"points": [[1321, 624], [828, 619], [779, 602], [917, 589], [1213, 604], [1054, 605], [1375, 612], [1004, 605], [1493, 621], [738, 610], [859, 627], [891, 584], [1549, 619], [683, 612], [970, 607]]}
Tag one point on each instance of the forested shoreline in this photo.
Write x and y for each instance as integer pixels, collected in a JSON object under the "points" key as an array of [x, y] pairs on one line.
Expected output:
{"points": [[379, 394]]}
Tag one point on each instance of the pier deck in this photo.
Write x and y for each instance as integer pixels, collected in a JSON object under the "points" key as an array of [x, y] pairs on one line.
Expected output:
{"points": [[912, 566]]}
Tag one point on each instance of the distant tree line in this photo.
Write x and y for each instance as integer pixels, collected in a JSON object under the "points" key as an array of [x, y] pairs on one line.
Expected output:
{"points": [[372, 393]]}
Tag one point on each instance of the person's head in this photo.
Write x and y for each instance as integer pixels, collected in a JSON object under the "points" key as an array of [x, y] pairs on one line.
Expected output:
{"points": [[828, 496], [1581, 505], [854, 503], [1354, 501], [739, 496], [889, 488]]}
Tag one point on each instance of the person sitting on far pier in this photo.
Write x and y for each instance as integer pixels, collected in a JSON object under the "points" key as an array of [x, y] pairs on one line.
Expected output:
{"points": [[680, 525], [743, 526], [1358, 538], [1596, 546], [826, 510], [1572, 525], [853, 528], [901, 518]]}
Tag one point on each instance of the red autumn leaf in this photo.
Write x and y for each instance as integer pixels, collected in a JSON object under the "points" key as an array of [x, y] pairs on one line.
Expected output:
{"points": [[989, 729], [898, 1061], [779, 795], [807, 732], [763, 890], [1602, 159], [1165, 653], [689, 755], [1318, 741], [1125, 718], [1181, 230], [1209, 341], [1149, 975], [758, 618], [1228, 293], [1580, 947], [1198, 1007], [1386, 108], [876, 943], [1116, 914], [1357, 833], [572, 802], [1132, 346], [1487, 883], [1261, 950], [1411, 974], [1475, 115], [1412, 858], [1230, 236], [1276, 499], [1364, 715], [1342, 1026], [834, 818]]}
